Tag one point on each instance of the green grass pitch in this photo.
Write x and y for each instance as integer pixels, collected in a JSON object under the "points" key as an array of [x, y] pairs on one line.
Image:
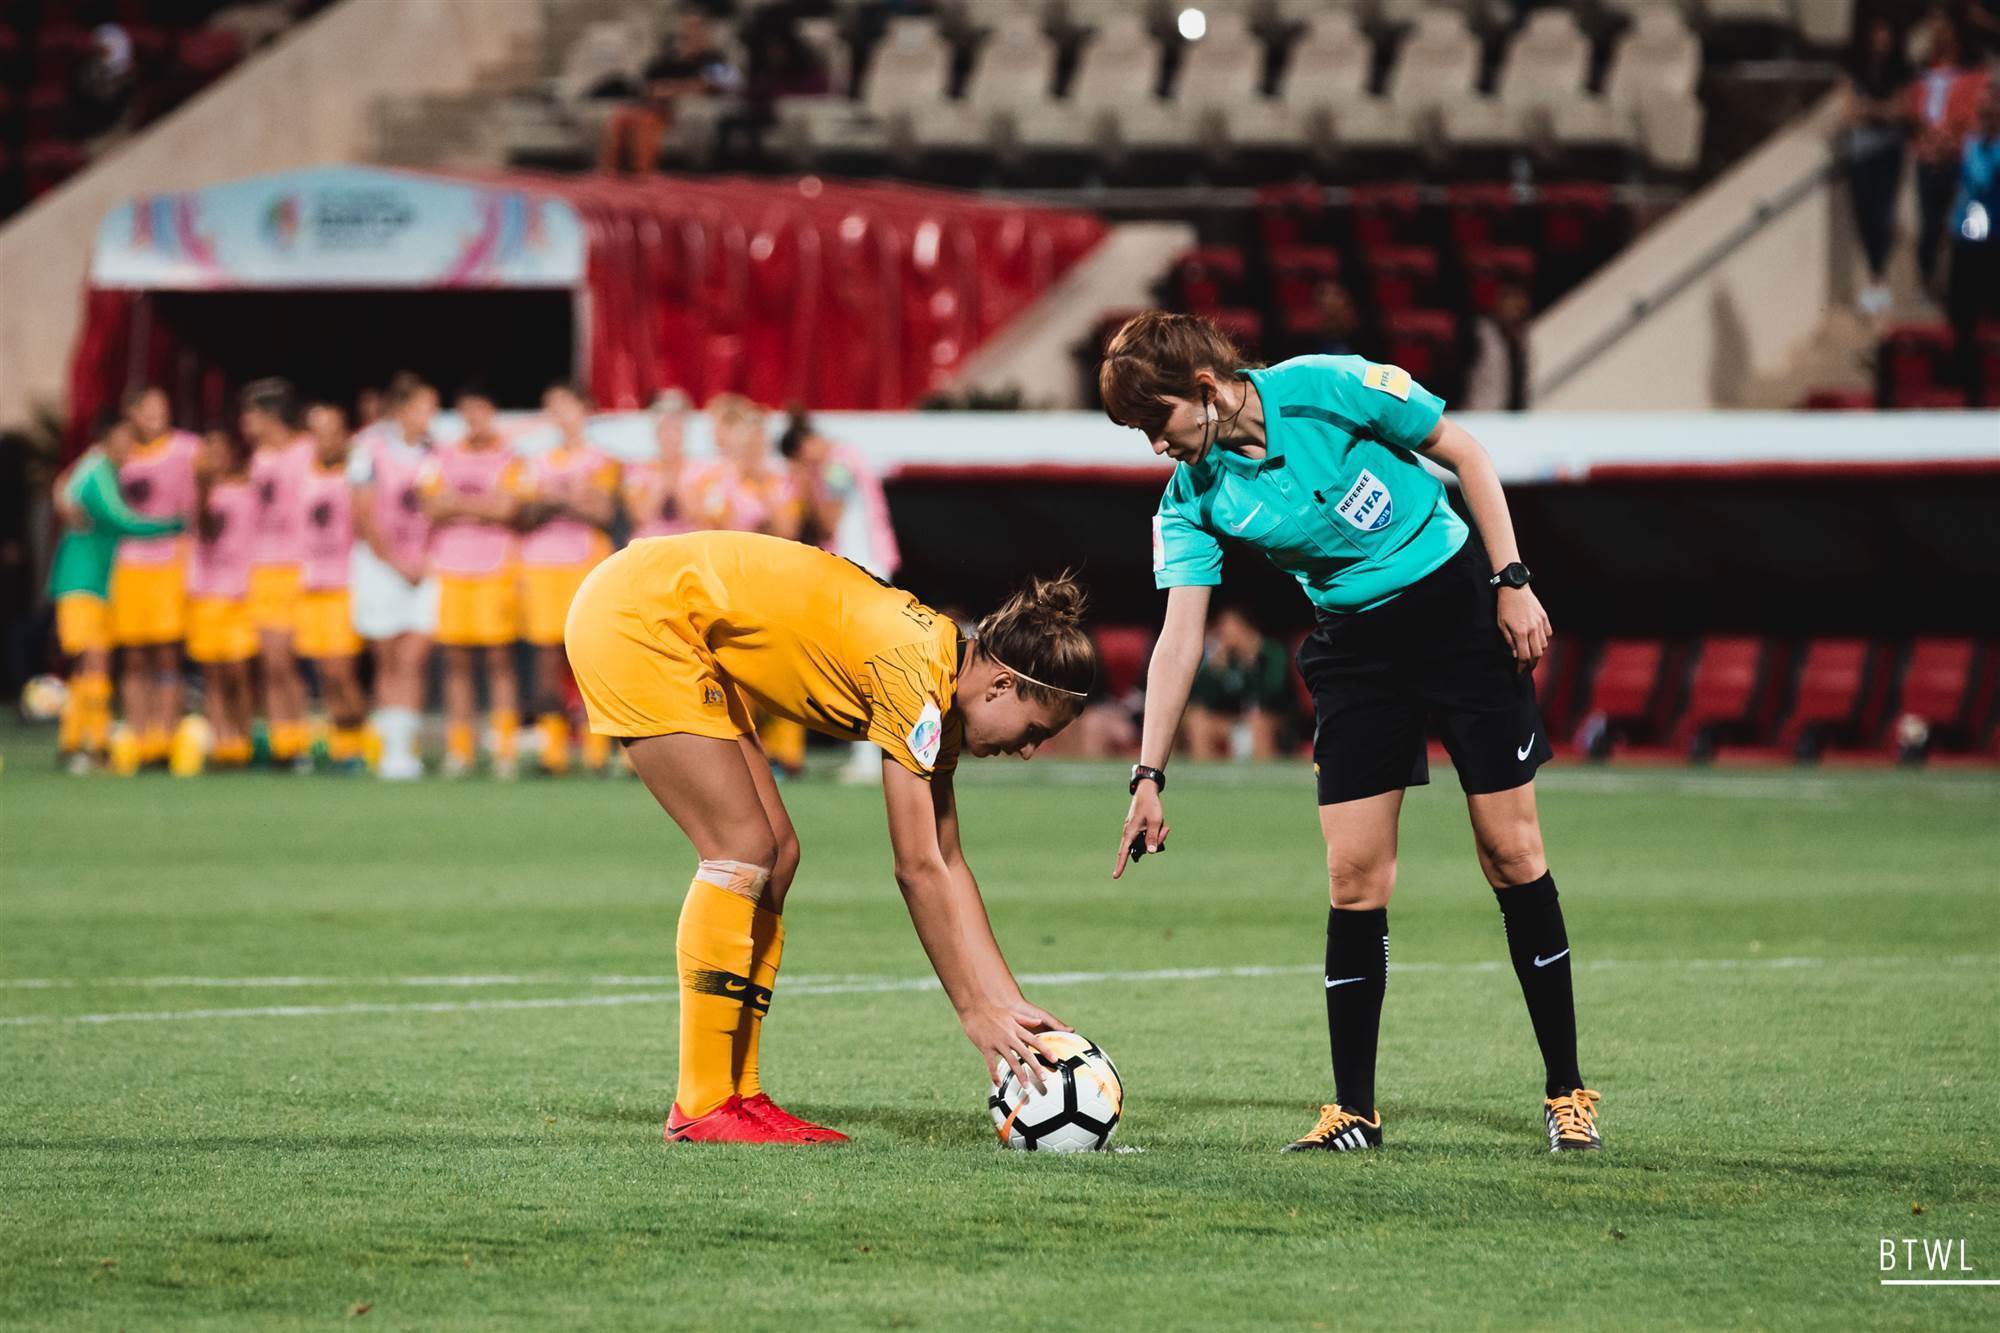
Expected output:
{"points": [[409, 1049]]}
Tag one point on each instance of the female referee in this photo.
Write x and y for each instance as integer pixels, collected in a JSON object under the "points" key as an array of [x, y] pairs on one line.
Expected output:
{"points": [[1313, 462], [674, 640]]}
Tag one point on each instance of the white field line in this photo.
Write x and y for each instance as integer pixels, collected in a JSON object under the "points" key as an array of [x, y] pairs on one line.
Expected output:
{"points": [[809, 985]]}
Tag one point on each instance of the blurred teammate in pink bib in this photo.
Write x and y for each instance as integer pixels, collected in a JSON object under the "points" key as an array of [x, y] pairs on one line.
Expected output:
{"points": [[221, 636], [657, 490], [472, 490], [326, 605], [395, 599], [280, 460], [148, 597], [571, 500]]}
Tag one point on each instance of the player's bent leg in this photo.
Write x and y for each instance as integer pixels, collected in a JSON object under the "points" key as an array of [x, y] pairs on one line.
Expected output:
{"points": [[1508, 837], [708, 786]]}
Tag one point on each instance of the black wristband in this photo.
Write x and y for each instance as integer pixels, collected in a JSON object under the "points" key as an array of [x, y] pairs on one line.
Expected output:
{"points": [[1141, 773]]}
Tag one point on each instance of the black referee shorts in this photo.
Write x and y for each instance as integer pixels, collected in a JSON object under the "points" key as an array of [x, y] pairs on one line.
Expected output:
{"points": [[1434, 651]]}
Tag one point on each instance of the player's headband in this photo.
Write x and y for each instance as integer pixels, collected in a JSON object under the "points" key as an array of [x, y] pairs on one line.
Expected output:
{"points": [[1016, 671]]}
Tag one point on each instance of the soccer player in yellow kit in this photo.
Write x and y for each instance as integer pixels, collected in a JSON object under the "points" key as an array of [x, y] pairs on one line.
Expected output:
{"points": [[673, 642]]}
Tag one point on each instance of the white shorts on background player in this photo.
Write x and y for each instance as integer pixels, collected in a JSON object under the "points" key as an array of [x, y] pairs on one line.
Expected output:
{"points": [[385, 605]]}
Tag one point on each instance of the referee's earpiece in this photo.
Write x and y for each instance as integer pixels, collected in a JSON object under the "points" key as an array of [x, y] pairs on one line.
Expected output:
{"points": [[1207, 412]]}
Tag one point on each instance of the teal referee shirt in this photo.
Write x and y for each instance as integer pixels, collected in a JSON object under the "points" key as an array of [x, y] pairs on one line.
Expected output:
{"points": [[1339, 501]]}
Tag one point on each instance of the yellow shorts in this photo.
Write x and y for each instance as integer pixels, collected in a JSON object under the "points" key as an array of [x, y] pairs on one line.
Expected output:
{"points": [[220, 630], [274, 597], [549, 591], [642, 673], [148, 604], [326, 624], [478, 610], [83, 623]]}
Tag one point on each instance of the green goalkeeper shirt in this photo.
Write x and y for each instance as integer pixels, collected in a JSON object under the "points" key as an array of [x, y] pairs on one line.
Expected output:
{"points": [[84, 556]]}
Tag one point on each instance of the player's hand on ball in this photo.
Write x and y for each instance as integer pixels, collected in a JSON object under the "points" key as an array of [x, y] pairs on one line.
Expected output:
{"points": [[1037, 1019], [1524, 625], [1005, 1042], [1145, 827]]}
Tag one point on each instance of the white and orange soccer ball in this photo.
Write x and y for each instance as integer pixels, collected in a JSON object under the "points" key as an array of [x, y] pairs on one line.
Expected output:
{"points": [[1077, 1111], [42, 699]]}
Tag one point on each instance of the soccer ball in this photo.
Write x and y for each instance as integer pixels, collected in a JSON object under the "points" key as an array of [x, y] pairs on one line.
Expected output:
{"points": [[1078, 1111], [42, 698]]}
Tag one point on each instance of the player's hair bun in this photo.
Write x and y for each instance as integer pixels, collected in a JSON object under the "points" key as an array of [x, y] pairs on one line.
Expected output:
{"points": [[1038, 633]]}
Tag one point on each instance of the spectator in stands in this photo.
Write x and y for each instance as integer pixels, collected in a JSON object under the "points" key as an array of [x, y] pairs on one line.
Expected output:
{"points": [[1498, 380], [1339, 321], [1944, 102], [1975, 253], [104, 82], [692, 63], [1242, 684], [1876, 128], [367, 409], [841, 500], [782, 64]]}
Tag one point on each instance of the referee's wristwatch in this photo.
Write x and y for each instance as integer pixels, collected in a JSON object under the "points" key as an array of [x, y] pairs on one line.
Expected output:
{"points": [[1141, 773], [1513, 576]]}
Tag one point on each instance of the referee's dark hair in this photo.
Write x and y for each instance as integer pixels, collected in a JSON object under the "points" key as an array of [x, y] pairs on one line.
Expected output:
{"points": [[1156, 354]]}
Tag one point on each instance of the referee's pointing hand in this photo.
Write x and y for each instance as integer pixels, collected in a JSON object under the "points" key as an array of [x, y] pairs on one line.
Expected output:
{"points": [[1145, 826]]}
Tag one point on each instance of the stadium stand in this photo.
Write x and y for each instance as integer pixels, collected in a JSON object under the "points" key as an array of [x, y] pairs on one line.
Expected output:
{"points": [[79, 76]]}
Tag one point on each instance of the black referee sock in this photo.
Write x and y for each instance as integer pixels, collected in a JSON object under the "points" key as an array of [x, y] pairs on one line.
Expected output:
{"points": [[1540, 948], [1357, 972]]}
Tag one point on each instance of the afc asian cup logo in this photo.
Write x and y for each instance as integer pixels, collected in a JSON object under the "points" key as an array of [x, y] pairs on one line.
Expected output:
{"points": [[281, 222]]}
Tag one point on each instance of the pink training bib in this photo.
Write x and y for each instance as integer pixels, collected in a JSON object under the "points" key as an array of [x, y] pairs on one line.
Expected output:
{"points": [[567, 541], [395, 474], [221, 563], [278, 475], [668, 519], [466, 546], [158, 481], [329, 527]]}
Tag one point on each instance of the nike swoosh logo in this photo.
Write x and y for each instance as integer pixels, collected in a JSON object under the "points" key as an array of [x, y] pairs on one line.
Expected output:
{"points": [[1544, 962], [1344, 981], [1238, 527], [1522, 753]]}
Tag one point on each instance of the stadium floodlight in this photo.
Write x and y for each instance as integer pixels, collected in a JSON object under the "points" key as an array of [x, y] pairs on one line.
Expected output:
{"points": [[1193, 24]]}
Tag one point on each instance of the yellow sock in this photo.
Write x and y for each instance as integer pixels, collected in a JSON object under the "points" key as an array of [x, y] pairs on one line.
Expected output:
{"points": [[344, 744], [713, 946], [97, 713], [284, 742], [231, 754], [767, 945], [555, 745], [458, 742], [153, 746], [596, 751], [371, 746], [75, 717], [506, 732]]}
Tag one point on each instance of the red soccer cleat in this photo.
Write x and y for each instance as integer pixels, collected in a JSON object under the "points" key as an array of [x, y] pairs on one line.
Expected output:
{"points": [[763, 1108], [727, 1123]]}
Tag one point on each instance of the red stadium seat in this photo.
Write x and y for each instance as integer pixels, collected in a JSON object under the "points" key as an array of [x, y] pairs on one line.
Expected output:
{"points": [[1488, 266], [1913, 358], [1727, 697], [1296, 273], [1245, 326], [1625, 694], [1403, 275], [1290, 214], [1207, 278], [1423, 342], [1481, 214], [208, 52], [1122, 654], [1938, 682], [1831, 697], [1839, 400], [1385, 214], [47, 165]]}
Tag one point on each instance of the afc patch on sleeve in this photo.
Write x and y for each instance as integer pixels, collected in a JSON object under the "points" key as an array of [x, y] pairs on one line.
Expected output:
{"points": [[1392, 380], [1159, 546], [926, 735]]}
